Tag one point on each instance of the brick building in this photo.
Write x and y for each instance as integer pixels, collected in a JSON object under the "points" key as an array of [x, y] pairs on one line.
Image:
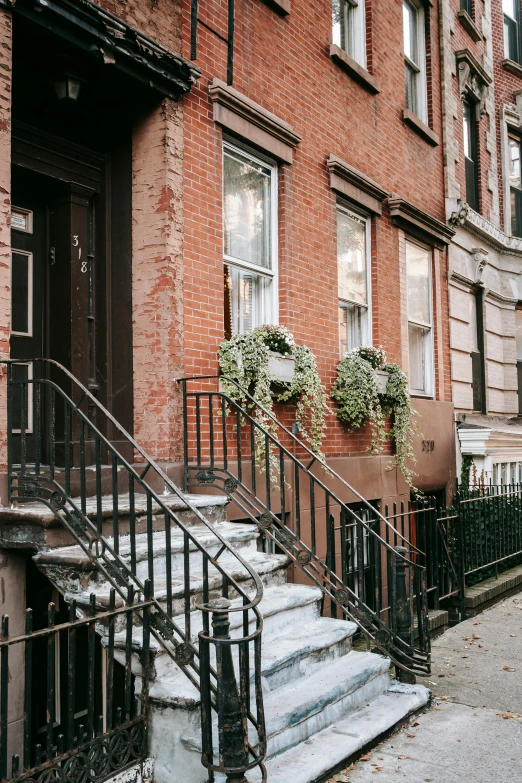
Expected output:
{"points": [[481, 118], [173, 172]]}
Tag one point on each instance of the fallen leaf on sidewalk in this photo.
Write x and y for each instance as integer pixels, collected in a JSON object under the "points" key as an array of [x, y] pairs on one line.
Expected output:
{"points": [[366, 757], [476, 636], [404, 756], [459, 740], [508, 669], [507, 715], [411, 736]]}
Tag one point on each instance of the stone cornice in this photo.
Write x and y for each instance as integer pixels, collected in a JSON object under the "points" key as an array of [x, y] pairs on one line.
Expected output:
{"points": [[355, 185], [113, 42], [467, 56], [418, 223], [482, 228], [474, 81], [248, 119]]}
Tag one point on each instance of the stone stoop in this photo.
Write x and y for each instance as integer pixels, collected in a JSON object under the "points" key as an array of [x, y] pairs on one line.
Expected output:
{"points": [[324, 700]]}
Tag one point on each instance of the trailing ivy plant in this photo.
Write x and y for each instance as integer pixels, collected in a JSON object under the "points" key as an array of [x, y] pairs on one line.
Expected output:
{"points": [[359, 402], [244, 359]]}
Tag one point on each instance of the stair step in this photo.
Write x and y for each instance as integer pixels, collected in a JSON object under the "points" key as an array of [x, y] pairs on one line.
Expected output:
{"points": [[270, 568], [284, 658], [325, 751], [300, 709], [283, 608], [213, 507], [240, 536]]}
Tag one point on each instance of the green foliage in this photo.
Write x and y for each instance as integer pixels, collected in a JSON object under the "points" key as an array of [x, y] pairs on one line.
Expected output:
{"points": [[465, 473], [359, 402], [244, 359]]}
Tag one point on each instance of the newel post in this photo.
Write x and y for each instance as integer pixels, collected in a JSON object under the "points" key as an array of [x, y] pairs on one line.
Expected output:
{"points": [[403, 613]]}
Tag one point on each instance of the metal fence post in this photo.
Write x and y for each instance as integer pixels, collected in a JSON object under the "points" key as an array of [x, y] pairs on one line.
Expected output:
{"points": [[404, 617], [233, 733], [461, 556]]}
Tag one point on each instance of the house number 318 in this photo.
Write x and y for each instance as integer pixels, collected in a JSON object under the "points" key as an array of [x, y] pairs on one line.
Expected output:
{"points": [[428, 445], [76, 243]]}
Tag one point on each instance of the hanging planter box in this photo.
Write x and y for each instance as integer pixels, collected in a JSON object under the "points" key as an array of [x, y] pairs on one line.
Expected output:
{"points": [[281, 367], [382, 380]]}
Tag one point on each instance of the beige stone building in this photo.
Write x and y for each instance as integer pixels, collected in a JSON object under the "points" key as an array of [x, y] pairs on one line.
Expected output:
{"points": [[482, 112]]}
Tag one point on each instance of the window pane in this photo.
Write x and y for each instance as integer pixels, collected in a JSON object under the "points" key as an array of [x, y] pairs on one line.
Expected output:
{"points": [[508, 6], [418, 283], [247, 210], [351, 258], [417, 338], [20, 293], [247, 300], [409, 17], [22, 397], [410, 76], [353, 327], [473, 331], [468, 144], [514, 163]]}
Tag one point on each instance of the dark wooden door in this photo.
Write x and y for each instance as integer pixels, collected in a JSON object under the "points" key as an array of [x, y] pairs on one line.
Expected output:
{"points": [[28, 240]]}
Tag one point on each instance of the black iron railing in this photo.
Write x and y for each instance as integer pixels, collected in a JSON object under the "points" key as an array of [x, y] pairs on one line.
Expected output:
{"points": [[61, 453], [490, 517], [367, 569], [476, 538], [73, 729], [434, 531]]}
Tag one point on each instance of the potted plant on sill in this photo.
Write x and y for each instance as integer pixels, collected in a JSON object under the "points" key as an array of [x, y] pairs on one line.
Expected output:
{"points": [[368, 389], [271, 367]]}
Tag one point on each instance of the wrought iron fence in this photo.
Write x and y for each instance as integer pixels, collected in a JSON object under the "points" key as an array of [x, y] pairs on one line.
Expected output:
{"points": [[67, 451], [367, 569], [490, 517], [434, 531], [80, 721], [478, 537]]}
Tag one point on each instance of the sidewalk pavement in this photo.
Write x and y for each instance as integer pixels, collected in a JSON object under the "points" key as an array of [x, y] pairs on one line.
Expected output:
{"points": [[474, 731]]}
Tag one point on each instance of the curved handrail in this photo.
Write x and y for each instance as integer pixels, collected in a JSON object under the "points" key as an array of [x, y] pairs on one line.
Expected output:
{"points": [[106, 556], [301, 444]]}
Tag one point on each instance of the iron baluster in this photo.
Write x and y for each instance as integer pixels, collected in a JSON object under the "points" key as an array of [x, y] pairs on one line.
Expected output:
{"points": [[28, 692]]}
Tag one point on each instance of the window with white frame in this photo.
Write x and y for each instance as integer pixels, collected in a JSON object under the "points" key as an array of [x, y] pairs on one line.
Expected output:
{"points": [[353, 275], [415, 58], [420, 323], [511, 11], [250, 240], [349, 28]]}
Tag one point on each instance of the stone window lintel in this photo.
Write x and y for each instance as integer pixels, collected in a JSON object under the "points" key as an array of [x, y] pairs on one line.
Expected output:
{"points": [[355, 185], [250, 121]]}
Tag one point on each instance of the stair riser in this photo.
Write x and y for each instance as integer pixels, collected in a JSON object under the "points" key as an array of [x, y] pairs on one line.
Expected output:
{"points": [[301, 666], [195, 560], [273, 625], [299, 729], [70, 581], [327, 715]]}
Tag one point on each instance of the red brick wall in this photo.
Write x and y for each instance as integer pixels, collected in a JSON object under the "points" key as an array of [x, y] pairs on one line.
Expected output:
{"points": [[284, 65]]}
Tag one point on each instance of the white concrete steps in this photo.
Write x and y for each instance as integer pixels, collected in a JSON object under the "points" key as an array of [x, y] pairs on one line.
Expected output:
{"points": [[326, 750], [323, 700], [307, 705], [240, 536], [270, 568]]}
